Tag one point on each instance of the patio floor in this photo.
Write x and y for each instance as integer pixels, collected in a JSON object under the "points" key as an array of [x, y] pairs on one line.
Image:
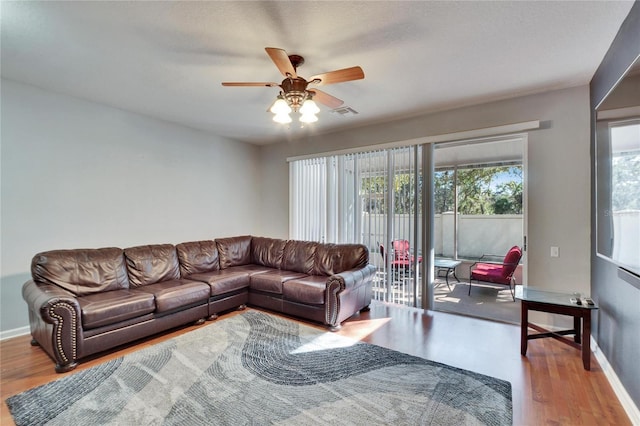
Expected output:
{"points": [[488, 301], [493, 302]]}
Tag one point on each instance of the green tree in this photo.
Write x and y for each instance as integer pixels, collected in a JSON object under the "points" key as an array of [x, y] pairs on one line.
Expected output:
{"points": [[474, 192], [375, 188], [444, 191], [404, 193], [508, 198], [480, 190]]}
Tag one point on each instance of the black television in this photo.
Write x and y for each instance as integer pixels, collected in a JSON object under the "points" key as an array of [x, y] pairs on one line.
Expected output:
{"points": [[617, 180]]}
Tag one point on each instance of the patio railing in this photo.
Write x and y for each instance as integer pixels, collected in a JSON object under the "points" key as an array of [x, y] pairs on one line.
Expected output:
{"points": [[477, 235]]}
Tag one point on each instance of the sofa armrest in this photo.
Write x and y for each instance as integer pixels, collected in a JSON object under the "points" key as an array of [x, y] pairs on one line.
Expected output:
{"points": [[351, 279], [346, 282], [53, 305]]}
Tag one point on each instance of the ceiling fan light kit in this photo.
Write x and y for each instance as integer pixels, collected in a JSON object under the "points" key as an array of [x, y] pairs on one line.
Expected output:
{"points": [[283, 118], [294, 95], [309, 109], [280, 106]]}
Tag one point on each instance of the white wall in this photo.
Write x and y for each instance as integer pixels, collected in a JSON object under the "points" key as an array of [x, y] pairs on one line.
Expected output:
{"points": [[79, 174], [558, 175]]}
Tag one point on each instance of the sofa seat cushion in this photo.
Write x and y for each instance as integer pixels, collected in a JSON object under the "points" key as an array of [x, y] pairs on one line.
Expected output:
{"points": [[251, 269], [176, 294], [111, 307], [224, 281], [271, 282], [309, 290], [489, 273]]}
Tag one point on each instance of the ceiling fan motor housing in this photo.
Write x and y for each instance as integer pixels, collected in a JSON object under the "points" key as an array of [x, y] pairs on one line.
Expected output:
{"points": [[294, 91]]}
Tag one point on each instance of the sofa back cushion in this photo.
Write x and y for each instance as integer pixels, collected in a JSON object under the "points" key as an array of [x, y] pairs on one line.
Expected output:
{"points": [[267, 251], [197, 257], [234, 251], [335, 258], [82, 271], [152, 264], [299, 256]]}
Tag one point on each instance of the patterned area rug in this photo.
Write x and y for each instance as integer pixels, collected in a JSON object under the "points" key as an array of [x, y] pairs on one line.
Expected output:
{"points": [[257, 368]]}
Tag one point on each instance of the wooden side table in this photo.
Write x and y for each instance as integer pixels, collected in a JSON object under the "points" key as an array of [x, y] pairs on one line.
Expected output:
{"points": [[556, 303]]}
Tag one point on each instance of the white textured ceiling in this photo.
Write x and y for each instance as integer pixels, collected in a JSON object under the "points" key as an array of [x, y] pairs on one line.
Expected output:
{"points": [[167, 59]]}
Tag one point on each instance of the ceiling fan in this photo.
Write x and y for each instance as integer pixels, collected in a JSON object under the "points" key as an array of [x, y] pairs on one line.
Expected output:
{"points": [[295, 92]]}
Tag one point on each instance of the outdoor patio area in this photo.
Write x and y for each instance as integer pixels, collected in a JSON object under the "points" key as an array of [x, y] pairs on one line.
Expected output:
{"points": [[488, 301]]}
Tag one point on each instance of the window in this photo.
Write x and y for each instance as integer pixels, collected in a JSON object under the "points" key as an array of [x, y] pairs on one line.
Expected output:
{"points": [[624, 211]]}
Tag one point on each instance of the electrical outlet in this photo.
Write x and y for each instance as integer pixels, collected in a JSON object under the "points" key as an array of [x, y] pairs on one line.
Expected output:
{"points": [[554, 252]]}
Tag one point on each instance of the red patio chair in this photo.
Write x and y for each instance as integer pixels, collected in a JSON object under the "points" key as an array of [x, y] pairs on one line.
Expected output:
{"points": [[403, 260], [497, 272]]}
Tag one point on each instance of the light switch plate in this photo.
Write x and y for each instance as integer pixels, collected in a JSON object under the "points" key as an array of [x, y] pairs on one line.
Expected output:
{"points": [[555, 252]]}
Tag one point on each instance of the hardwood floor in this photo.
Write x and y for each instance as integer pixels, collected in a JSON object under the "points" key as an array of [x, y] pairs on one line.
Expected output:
{"points": [[550, 387]]}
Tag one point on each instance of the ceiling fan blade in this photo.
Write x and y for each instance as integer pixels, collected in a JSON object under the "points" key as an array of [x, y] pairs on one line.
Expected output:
{"points": [[339, 76], [282, 61], [326, 99], [245, 84]]}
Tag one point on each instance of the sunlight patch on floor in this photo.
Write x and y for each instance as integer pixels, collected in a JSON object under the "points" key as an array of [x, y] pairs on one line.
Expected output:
{"points": [[448, 299], [323, 342], [355, 330], [362, 328]]}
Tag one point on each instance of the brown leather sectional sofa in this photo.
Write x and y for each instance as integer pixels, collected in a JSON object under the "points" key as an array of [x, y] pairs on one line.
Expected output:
{"points": [[85, 301]]}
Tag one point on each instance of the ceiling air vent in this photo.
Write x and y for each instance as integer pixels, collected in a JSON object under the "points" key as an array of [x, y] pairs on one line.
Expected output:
{"points": [[344, 111]]}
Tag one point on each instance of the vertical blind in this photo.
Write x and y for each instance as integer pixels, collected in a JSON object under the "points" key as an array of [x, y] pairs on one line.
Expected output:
{"points": [[371, 198], [308, 199]]}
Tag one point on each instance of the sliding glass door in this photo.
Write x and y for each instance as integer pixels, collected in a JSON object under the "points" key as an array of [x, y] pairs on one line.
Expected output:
{"points": [[376, 198], [373, 198], [479, 214], [390, 189], [479, 197]]}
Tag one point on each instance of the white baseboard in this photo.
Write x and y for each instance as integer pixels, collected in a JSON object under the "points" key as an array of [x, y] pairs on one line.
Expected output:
{"points": [[627, 403], [8, 334]]}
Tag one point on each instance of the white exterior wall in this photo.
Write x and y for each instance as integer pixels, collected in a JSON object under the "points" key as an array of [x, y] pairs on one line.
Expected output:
{"points": [[478, 234]]}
